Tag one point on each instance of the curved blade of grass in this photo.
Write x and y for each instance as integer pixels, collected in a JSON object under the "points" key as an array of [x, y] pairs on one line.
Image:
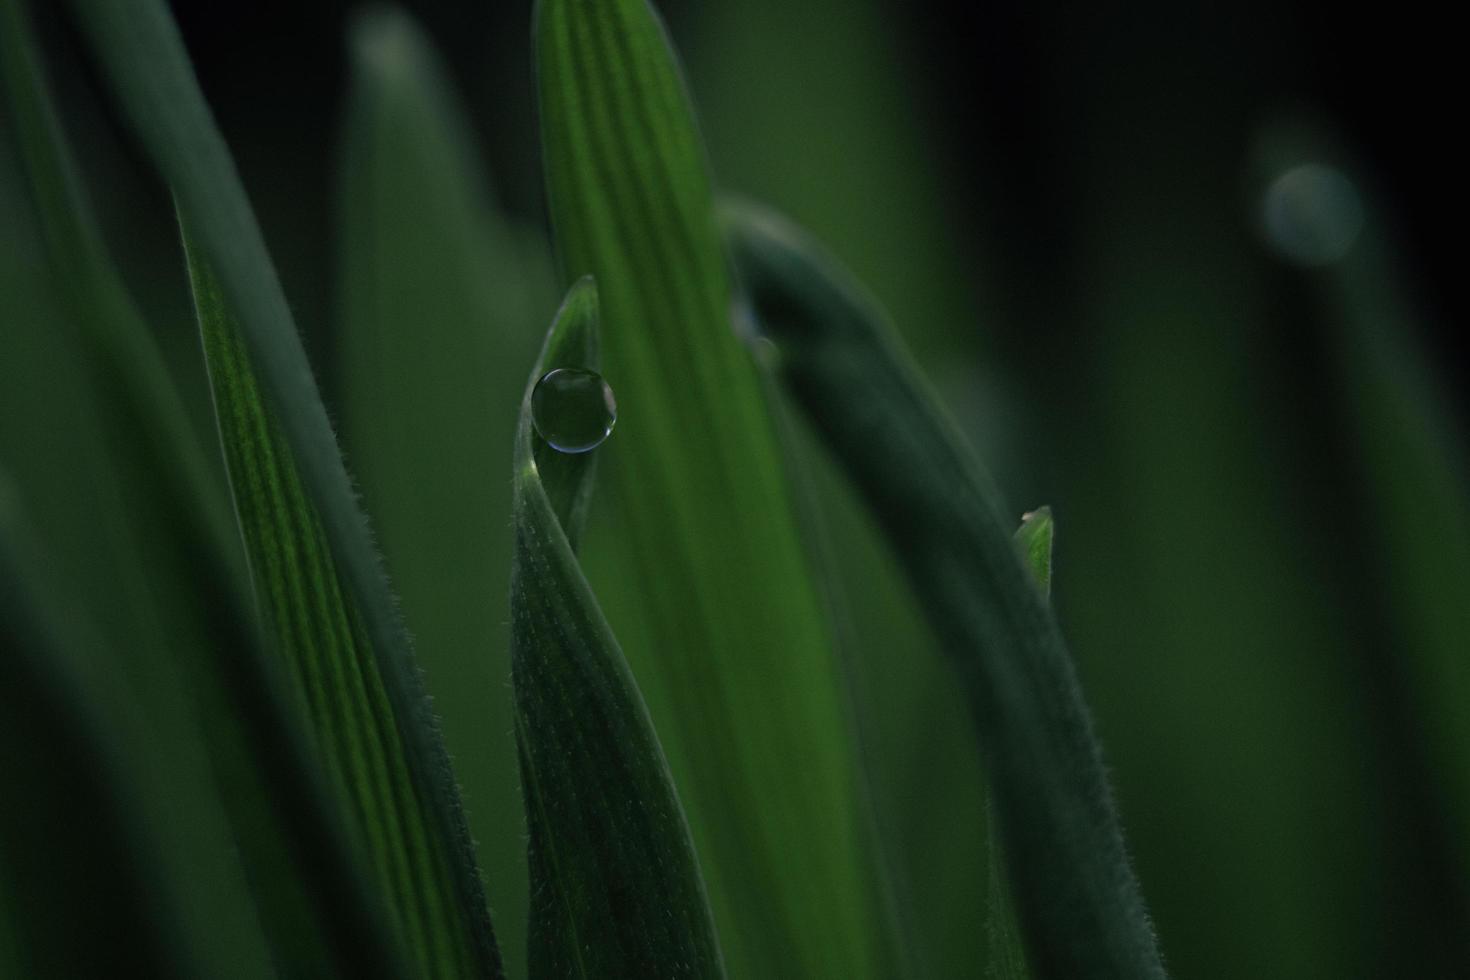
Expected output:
{"points": [[809, 106], [69, 826], [615, 885], [724, 627], [1076, 896], [142, 57], [442, 303], [190, 617]]}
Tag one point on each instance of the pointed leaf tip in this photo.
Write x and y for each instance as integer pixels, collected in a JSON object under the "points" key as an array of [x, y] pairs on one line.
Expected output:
{"points": [[1035, 537], [616, 888], [572, 344]]}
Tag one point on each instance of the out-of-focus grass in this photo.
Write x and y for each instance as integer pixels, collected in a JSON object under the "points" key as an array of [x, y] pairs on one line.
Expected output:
{"points": [[440, 295], [1253, 630], [870, 180]]}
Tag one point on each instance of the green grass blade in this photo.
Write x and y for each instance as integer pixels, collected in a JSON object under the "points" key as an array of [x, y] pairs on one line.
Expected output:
{"points": [[1076, 896], [321, 635], [810, 106], [79, 256], [1005, 951], [1412, 457], [194, 659], [442, 301], [70, 828], [725, 630], [310, 902], [615, 885], [142, 58]]}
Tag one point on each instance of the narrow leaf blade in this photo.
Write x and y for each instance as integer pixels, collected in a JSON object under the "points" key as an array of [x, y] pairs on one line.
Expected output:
{"points": [[713, 593], [194, 658], [142, 58], [616, 888], [1006, 954], [442, 301], [319, 633], [1076, 895]]}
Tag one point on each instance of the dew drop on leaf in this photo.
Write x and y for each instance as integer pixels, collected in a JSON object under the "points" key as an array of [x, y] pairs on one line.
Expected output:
{"points": [[573, 409]]}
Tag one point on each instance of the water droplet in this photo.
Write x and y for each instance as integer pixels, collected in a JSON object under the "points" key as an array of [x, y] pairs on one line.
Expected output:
{"points": [[573, 409], [1312, 214]]}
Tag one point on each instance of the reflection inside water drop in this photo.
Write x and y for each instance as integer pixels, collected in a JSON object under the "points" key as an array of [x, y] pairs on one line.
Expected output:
{"points": [[1312, 214], [573, 409]]}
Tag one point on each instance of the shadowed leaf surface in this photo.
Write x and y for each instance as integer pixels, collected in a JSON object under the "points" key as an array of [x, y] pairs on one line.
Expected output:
{"points": [[70, 825], [1076, 896], [143, 61], [1006, 955], [194, 661], [615, 886], [442, 301]]}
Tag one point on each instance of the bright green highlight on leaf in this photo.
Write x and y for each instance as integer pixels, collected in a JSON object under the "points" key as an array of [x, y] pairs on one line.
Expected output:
{"points": [[717, 609], [1035, 537], [615, 886], [1076, 896]]}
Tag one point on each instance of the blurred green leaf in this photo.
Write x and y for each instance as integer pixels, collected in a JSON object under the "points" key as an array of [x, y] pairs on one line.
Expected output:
{"points": [[615, 885], [72, 450], [442, 300], [1413, 457], [717, 608], [1220, 666], [1076, 895], [139, 50], [811, 107], [188, 626], [71, 827], [1407, 454], [106, 316]]}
